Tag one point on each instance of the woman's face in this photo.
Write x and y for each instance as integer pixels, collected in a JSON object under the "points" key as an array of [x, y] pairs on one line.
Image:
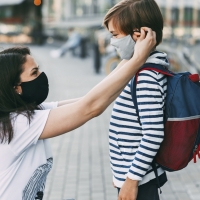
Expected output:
{"points": [[30, 72], [117, 34]]}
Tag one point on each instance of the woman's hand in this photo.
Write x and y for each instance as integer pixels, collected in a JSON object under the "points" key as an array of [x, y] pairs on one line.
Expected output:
{"points": [[145, 43]]}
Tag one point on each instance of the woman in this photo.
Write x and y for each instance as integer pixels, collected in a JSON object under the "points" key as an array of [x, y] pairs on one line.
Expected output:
{"points": [[133, 144], [26, 122]]}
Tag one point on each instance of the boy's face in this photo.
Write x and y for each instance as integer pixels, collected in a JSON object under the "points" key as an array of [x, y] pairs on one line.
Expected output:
{"points": [[118, 34], [115, 33]]}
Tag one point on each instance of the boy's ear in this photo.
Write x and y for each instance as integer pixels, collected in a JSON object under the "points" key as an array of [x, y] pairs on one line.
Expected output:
{"points": [[136, 35]]}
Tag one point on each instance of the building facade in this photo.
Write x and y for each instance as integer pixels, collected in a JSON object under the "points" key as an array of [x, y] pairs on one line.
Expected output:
{"points": [[20, 22], [181, 17], [66, 13]]}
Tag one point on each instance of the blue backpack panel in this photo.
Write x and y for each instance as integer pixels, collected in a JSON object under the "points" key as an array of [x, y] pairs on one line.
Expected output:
{"points": [[181, 118]]}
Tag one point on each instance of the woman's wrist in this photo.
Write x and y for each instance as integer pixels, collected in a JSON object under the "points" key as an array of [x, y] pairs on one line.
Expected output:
{"points": [[138, 60]]}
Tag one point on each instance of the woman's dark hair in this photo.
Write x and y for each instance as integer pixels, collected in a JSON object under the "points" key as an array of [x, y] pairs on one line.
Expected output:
{"points": [[128, 15], [11, 67]]}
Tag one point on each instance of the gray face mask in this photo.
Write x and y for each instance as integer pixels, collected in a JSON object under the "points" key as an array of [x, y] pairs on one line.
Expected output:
{"points": [[124, 46]]}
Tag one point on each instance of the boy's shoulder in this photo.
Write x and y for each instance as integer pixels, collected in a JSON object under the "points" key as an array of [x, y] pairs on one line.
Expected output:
{"points": [[150, 75], [144, 74]]}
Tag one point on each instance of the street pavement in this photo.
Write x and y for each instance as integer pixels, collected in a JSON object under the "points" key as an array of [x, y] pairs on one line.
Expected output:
{"points": [[81, 169]]}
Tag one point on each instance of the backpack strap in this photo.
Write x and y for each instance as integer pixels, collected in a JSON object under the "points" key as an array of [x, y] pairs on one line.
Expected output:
{"points": [[162, 70], [133, 94], [146, 66], [153, 164]]}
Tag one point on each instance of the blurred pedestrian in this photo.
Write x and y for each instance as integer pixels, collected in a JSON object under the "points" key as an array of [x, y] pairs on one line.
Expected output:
{"points": [[96, 58], [99, 47], [133, 144], [26, 122], [74, 41]]}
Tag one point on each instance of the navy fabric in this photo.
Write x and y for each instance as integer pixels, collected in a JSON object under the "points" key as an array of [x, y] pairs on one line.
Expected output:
{"points": [[181, 93], [150, 189], [147, 190], [182, 100]]}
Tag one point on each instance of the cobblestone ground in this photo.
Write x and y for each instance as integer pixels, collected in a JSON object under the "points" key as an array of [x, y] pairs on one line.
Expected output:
{"points": [[81, 168]]}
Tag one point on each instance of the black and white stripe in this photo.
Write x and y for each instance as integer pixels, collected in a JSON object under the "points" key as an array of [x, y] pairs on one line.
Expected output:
{"points": [[133, 146]]}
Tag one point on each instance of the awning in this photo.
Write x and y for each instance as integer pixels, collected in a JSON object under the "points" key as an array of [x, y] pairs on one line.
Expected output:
{"points": [[10, 2]]}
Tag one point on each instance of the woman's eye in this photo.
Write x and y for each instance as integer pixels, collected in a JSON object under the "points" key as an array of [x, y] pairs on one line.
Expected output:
{"points": [[35, 73]]}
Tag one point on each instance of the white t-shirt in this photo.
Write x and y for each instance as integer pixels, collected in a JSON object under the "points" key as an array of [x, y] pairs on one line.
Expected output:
{"points": [[26, 161]]}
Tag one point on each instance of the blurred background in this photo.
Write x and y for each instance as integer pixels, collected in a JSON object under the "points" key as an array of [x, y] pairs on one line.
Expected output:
{"points": [[69, 43], [50, 21]]}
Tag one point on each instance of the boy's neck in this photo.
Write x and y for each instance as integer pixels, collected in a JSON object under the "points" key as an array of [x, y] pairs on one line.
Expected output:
{"points": [[153, 50]]}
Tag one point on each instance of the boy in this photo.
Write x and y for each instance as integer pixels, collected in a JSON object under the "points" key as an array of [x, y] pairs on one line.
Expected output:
{"points": [[133, 146]]}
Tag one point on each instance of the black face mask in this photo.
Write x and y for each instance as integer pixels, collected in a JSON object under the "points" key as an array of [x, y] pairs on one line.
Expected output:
{"points": [[35, 91]]}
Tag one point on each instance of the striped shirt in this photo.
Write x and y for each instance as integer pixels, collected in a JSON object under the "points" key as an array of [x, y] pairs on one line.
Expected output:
{"points": [[134, 146]]}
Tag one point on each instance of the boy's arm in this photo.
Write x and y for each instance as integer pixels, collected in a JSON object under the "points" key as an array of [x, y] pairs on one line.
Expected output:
{"points": [[150, 105], [65, 102]]}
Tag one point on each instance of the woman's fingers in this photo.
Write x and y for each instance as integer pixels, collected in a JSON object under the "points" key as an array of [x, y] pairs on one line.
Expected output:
{"points": [[142, 34], [147, 30], [145, 43], [148, 34]]}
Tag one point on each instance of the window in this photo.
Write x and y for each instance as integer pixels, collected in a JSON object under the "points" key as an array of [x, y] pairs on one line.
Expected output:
{"points": [[174, 17], [188, 16], [5, 12], [198, 20]]}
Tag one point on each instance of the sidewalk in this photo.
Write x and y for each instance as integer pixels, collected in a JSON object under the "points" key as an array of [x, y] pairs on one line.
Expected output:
{"points": [[81, 169]]}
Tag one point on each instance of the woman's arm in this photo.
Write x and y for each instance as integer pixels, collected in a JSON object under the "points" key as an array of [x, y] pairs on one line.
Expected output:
{"points": [[69, 101], [68, 117], [119, 66]]}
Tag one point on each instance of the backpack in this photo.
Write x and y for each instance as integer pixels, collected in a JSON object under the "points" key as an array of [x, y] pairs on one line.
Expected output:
{"points": [[181, 141]]}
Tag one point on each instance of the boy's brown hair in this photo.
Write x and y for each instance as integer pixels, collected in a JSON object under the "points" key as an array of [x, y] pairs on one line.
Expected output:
{"points": [[129, 15]]}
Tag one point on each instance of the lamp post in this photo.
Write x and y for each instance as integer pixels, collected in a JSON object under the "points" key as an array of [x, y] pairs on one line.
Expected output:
{"points": [[37, 30]]}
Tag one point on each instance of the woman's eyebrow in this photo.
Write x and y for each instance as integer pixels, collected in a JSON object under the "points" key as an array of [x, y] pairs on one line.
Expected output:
{"points": [[35, 68]]}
